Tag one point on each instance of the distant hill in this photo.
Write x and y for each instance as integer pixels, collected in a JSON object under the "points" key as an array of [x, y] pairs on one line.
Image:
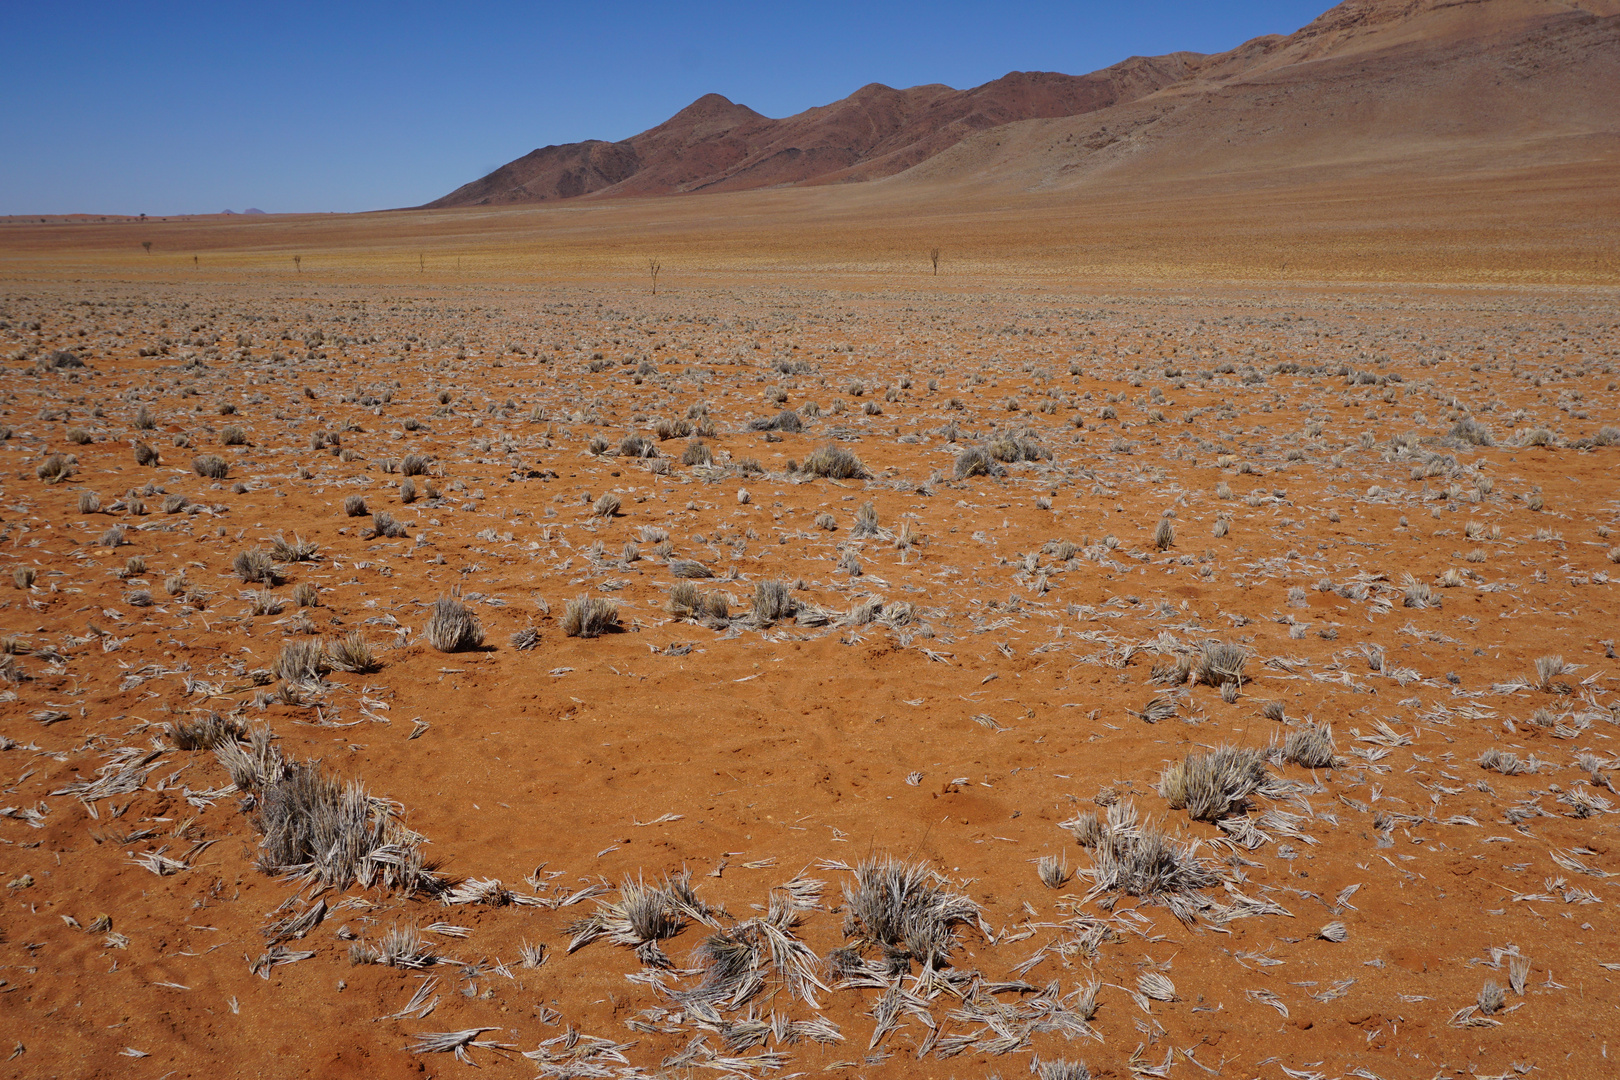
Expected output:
{"points": [[1369, 80], [717, 145]]}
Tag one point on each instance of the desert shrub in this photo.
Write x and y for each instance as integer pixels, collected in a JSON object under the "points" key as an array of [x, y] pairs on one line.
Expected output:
{"points": [[685, 600], [78, 436], [687, 568], [1214, 785], [352, 653], [696, 453], [205, 731], [637, 446], [1015, 448], [256, 564], [773, 601], [1310, 746], [305, 595], [295, 550], [173, 504], [907, 910], [233, 435], [354, 505], [590, 616], [23, 576], [866, 522], [976, 461], [89, 502], [413, 465], [786, 420], [54, 469], [1137, 858], [606, 506], [210, 466], [323, 830], [144, 420], [1471, 431], [835, 462], [383, 524], [452, 627], [1548, 669], [1164, 534], [300, 661], [1505, 762], [642, 916], [1220, 662]]}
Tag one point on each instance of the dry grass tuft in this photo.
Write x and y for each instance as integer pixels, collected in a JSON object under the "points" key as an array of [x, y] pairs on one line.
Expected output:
{"points": [[452, 627], [1214, 785], [835, 462], [907, 910], [590, 616]]}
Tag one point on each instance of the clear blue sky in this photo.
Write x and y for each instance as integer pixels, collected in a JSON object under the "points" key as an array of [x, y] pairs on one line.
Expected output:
{"points": [[169, 108]]}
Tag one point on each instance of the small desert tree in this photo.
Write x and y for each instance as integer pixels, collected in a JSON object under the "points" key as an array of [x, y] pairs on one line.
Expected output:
{"points": [[653, 266], [147, 244], [933, 257], [298, 263]]}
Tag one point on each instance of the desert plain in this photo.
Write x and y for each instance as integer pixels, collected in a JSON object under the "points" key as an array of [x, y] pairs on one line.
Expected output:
{"points": [[1171, 636]]}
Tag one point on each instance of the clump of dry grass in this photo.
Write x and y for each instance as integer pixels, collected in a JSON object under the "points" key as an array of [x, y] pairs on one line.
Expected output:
{"points": [[54, 469], [210, 466], [866, 522], [1014, 448], [835, 462], [205, 731], [301, 661], [1164, 534], [320, 828], [607, 506], [976, 461], [89, 502], [352, 653], [1214, 785], [1220, 662], [642, 916], [452, 627], [1548, 669], [1310, 746], [1505, 762], [1137, 858], [23, 577], [384, 525], [907, 910], [354, 505], [295, 550], [773, 601], [145, 454], [687, 568], [256, 564], [590, 616]]}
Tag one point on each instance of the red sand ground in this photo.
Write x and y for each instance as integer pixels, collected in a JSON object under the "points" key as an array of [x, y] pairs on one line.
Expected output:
{"points": [[1011, 689]]}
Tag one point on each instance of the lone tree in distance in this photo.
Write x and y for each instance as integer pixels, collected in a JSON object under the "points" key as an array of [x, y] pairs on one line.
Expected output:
{"points": [[933, 256], [147, 244], [298, 261], [653, 266]]}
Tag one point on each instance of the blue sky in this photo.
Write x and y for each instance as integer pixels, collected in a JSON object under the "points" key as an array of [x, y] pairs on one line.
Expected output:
{"points": [[167, 108]]}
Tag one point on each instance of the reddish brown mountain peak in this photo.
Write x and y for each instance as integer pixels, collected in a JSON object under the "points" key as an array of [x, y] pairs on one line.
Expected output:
{"points": [[713, 107]]}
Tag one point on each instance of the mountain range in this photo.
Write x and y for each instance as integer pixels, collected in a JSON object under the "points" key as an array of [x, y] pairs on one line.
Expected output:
{"points": [[1370, 83]]}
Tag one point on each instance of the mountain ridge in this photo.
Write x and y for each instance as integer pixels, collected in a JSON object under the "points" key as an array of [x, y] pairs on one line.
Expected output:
{"points": [[880, 132]]}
